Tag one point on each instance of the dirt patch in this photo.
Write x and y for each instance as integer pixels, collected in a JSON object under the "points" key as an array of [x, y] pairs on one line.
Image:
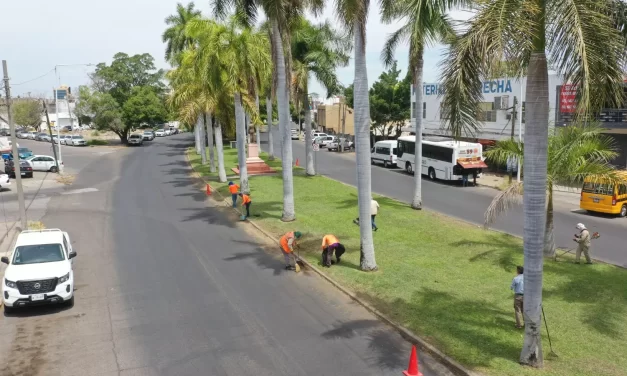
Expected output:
{"points": [[66, 179], [36, 225]]}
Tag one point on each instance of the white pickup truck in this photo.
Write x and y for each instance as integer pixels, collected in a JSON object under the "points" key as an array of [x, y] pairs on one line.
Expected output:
{"points": [[335, 144]]}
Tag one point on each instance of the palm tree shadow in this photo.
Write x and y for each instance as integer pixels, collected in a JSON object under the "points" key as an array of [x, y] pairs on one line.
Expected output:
{"points": [[505, 252]]}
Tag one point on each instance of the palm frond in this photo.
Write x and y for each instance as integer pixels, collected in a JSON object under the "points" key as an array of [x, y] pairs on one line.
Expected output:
{"points": [[502, 202], [503, 151]]}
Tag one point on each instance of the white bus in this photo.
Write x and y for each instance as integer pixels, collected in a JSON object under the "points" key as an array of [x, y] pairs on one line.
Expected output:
{"points": [[444, 160]]}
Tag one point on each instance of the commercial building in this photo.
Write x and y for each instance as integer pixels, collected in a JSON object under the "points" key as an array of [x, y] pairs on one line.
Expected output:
{"points": [[330, 117], [503, 111]]}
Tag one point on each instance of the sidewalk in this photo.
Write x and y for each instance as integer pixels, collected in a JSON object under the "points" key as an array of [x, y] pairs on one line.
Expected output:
{"points": [[563, 194]]}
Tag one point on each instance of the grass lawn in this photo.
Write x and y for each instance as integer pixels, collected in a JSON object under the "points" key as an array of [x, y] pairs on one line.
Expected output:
{"points": [[448, 281]]}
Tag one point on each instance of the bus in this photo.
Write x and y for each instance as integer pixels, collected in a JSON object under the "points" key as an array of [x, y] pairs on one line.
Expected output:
{"points": [[604, 197], [444, 160]]}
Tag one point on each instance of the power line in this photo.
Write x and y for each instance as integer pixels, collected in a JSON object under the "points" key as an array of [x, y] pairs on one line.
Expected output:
{"points": [[36, 78]]}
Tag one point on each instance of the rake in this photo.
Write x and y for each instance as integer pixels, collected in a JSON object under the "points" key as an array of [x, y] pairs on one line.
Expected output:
{"points": [[551, 352]]}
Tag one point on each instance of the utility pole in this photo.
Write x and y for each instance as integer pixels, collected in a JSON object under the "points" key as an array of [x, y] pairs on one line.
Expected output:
{"points": [[514, 112], [54, 149], [16, 163]]}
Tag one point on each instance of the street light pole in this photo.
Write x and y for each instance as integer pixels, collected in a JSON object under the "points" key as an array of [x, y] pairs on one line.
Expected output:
{"points": [[16, 163]]}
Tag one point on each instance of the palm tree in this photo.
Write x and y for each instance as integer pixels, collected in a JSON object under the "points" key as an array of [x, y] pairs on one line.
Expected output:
{"points": [[320, 50], [574, 153], [353, 14], [584, 48], [426, 23], [174, 36]]}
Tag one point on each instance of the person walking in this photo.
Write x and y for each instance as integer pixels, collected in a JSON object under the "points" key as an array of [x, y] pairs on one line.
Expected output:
{"points": [[246, 201], [518, 288], [474, 177], [330, 244], [288, 242], [583, 238], [233, 189], [464, 178], [374, 209]]}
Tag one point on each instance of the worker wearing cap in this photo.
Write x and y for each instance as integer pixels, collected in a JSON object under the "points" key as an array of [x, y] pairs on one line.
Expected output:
{"points": [[246, 201], [233, 189], [584, 243], [288, 242], [330, 244]]}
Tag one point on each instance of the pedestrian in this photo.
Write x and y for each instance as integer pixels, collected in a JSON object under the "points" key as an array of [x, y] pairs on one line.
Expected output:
{"points": [[474, 177], [246, 201], [330, 243], [464, 178], [288, 242], [518, 287], [234, 189], [583, 238], [374, 209]]}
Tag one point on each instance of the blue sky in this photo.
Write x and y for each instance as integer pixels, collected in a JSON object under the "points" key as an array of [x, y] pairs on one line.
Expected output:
{"points": [[37, 35]]}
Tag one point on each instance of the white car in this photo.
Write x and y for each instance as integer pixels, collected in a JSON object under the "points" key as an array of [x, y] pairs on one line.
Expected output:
{"points": [[76, 140], [5, 181], [63, 138], [295, 134], [323, 141], [135, 139], [39, 270], [168, 132], [160, 133], [31, 135], [43, 163], [335, 144]]}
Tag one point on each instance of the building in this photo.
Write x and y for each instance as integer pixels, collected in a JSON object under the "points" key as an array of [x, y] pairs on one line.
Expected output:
{"points": [[331, 116], [498, 111]]}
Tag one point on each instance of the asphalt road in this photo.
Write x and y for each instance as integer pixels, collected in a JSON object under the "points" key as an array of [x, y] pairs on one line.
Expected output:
{"points": [[470, 203], [168, 285]]}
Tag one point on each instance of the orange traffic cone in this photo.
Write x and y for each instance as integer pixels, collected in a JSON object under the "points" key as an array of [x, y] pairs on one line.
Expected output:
{"points": [[297, 163], [208, 190], [412, 369]]}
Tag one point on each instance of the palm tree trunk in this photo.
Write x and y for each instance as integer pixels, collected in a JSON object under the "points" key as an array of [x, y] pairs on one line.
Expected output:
{"points": [[220, 152], [247, 127], [209, 128], [549, 231], [197, 138], [240, 134], [309, 157], [534, 198], [289, 213], [362, 149], [269, 121], [417, 201], [257, 132], [201, 137]]}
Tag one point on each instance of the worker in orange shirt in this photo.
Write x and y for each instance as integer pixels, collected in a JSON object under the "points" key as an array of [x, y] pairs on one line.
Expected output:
{"points": [[288, 242], [234, 189], [246, 201], [330, 244]]}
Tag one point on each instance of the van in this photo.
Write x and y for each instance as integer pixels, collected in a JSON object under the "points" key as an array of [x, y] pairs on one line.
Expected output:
{"points": [[384, 152], [603, 197]]}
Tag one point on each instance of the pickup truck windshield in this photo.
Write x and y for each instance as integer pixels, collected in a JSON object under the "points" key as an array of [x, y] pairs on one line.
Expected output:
{"points": [[37, 254]]}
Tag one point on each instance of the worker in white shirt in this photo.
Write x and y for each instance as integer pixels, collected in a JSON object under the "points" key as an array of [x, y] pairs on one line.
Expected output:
{"points": [[374, 210]]}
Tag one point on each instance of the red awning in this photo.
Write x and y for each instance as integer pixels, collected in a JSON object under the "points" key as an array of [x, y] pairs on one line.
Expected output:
{"points": [[471, 163]]}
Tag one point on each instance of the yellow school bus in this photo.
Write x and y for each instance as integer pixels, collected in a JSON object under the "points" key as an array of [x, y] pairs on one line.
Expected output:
{"points": [[603, 197]]}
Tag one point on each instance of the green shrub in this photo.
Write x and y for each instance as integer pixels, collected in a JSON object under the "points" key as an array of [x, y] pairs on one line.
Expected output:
{"points": [[97, 142]]}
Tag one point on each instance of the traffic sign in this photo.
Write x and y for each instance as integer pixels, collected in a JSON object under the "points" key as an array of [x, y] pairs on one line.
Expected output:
{"points": [[316, 147]]}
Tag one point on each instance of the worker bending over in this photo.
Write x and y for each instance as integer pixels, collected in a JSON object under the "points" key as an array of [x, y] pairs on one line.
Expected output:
{"points": [[246, 201], [288, 242], [329, 244]]}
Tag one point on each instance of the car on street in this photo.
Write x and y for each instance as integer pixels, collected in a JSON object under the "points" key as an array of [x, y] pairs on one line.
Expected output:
{"points": [[325, 140], [63, 138], [75, 140], [31, 135], [5, 181], [384, 152], [44, 163], [174, 130], [160, 133], [295, 135], [24, 152], [39, 270], [335, 145], [26, 169], [168, 132], [22, 134], [44, 137], [135, 139], [148, 135]]}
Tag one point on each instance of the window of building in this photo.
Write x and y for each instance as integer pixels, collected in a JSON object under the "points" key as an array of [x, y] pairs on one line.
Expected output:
{"points": [[424, 110], [444, 115], [523, 112], [486, 112]]}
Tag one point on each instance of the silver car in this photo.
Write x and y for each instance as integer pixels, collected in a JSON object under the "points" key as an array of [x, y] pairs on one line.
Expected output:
{"points": [[76, 140]]}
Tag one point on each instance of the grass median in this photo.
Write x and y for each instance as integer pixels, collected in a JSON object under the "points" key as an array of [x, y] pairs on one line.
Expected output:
{"points": [[448, 281]]}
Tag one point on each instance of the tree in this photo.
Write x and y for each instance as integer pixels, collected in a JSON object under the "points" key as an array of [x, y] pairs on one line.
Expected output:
{"points": [[585, 48], [137, 87], [426, 23], [574, 153], [174, 36], [348, 95], [317, 50], [27, 113], [107, 112], [389, 104], [353, 15]]}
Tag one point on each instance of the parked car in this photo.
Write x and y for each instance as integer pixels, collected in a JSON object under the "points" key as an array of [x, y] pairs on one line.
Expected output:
{"points": [[384, 152], [39, 270], [24, 152], [335, 144], [295, 134], [174, 130], [31, 135], [75, 140], [148, 135], [5, 181], [44, 163], [135, 139], [325, 140], [43, 137], [55, 139], [63, 138], [22, 134], [67, 128], [167, 131], [160, 133], [26, 169]]}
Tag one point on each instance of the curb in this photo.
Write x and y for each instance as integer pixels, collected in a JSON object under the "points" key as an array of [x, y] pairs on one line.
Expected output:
{"points": [[408, 335]]}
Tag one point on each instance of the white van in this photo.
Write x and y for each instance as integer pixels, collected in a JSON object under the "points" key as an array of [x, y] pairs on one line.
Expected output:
{"points": [[384, 152]]}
